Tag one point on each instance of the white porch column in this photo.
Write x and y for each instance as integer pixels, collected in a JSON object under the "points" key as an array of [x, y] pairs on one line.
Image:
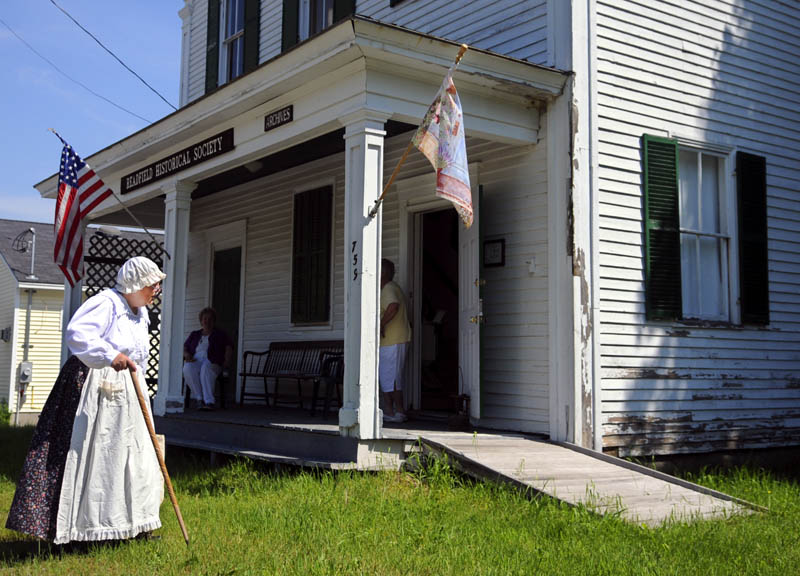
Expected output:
{"points": [[176, 241], [360, 416]]}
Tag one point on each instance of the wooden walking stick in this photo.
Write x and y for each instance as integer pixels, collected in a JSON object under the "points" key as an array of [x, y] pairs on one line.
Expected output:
{"points": [[159, 455]]}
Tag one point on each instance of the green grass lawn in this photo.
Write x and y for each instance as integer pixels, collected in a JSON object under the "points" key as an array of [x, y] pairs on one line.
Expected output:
{"points": [[246, 519]]}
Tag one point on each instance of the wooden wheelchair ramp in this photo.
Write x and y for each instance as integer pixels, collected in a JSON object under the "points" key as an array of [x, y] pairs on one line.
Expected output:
{"points": [[602, 483]]}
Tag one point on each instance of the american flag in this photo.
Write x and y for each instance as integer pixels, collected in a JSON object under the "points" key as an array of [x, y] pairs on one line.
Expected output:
{"points": [[80, 190]]}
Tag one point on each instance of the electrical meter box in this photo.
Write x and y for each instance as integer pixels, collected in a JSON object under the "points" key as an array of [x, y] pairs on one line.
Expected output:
{"points": [[25, 373]]}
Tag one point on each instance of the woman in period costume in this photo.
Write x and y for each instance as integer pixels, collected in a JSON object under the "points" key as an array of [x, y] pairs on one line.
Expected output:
{"points": [[91, 472]]}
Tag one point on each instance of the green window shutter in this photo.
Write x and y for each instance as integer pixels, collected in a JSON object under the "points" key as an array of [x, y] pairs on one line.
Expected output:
{"points": [[291, 17], [343, 9], [311, 256], [300, 260], [212, 46], [252, 31], [751, 184], [662, 239]]}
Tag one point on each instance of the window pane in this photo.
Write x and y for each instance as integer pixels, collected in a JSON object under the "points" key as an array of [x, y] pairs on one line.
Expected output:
{"points": [[321, 12], [239, 15], [235, 58], [689, 280], [687, 176], [709, 195], [234, 16], [711, 298]]}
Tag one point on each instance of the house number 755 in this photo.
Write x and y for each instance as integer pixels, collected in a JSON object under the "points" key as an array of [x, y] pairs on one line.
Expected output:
{"points": [[355, 260]]}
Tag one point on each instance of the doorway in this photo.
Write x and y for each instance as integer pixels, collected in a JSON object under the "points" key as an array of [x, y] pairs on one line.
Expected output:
{"points": [[463, 310], [439, 297], [226, 284]]}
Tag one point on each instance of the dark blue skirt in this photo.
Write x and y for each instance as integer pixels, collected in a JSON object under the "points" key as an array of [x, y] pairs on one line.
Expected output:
{"points": [[35, 507]]}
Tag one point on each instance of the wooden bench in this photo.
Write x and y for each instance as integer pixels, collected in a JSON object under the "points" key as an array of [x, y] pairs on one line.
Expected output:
{"points": [[294, 360]]}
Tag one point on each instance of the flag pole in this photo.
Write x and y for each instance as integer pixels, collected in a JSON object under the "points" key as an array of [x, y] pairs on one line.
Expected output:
{"points": [[131, 214], [159, 455], [374, 210]]}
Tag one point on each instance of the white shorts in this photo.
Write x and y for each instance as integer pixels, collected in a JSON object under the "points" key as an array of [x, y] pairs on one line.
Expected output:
{"points": [[391, 367]]}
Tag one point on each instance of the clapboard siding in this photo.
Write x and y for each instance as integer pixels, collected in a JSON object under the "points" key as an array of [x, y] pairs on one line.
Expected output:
{"points": [[271, 30], [515, 375], [197, 50], [718, 71], [514, 27], [45, 338], [8, 289], [517, 28], [515, 301]]}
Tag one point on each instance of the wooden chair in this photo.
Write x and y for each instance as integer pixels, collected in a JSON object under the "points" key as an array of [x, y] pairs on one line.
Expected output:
{"points": [[332, 376], [254, 366]]}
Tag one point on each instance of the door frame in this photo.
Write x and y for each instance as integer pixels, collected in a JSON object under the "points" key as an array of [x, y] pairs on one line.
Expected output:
{"points": [[225, 237], [415, 197]]}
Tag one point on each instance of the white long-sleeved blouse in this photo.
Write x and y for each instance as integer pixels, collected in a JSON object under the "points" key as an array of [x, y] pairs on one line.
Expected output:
{"points": [[104, 326]]}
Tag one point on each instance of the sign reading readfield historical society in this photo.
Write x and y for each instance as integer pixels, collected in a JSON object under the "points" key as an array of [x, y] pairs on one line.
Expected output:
{"points": [[194, 154]]}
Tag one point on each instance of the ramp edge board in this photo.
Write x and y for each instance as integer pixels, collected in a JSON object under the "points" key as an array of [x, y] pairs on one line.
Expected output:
{"points": [[481, 470], [660, 475]]}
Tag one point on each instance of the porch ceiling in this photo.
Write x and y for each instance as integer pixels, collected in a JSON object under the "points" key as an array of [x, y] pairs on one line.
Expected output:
{"points": [[150, 213], [356, 65]]}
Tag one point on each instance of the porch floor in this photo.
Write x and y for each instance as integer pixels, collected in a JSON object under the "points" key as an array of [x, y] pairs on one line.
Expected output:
{"points": [[283, 435], [301, 419]]}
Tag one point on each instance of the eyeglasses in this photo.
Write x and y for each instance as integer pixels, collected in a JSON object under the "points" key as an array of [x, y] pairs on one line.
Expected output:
{"points": [[156, 288]]}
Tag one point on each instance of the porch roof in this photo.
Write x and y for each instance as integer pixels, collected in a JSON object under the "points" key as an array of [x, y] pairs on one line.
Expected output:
{"points": [[355, 65]]}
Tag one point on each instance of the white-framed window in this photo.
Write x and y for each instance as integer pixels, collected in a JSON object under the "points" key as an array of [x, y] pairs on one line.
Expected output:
{"points": [[706, 232], [312, 256], [231, 61], [314, 17], [707, 223]]}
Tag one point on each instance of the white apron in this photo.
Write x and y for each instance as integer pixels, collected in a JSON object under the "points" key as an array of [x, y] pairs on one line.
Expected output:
{"points": [[112, 486]]}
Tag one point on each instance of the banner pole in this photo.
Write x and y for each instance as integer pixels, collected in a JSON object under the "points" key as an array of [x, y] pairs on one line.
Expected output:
{"points": [[374, 210]]}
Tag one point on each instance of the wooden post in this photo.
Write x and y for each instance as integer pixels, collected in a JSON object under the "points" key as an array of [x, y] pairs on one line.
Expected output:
{"points": [[177, 205], [360, 416]]}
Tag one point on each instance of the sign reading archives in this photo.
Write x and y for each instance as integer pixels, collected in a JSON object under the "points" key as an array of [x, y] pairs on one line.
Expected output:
{"points": [[279, 117], [194, 154]]}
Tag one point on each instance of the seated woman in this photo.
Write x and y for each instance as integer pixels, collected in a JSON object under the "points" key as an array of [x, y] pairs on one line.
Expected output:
{"points": [[204, 353]]}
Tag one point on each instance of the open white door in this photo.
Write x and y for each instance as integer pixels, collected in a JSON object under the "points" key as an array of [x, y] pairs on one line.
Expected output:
{"points": [[470, 313]]}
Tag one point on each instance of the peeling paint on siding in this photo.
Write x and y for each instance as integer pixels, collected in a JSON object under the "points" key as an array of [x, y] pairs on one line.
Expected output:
{"points": [[694, 385]]}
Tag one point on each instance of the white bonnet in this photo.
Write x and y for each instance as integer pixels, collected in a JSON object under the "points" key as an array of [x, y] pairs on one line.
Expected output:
{"points": [[136, 273]]}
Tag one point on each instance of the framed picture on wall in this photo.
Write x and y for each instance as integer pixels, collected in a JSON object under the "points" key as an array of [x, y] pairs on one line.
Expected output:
{"points": [[494, 253]]}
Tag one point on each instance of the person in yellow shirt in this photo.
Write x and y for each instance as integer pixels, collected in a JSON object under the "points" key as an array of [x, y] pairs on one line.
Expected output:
{"points": [[395, 336]]}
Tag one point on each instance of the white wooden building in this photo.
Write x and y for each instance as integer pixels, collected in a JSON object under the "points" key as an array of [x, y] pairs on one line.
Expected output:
{"points": [[608, 323], [41, 289]]}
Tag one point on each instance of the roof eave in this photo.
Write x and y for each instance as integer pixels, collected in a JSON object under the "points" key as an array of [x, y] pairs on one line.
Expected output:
{"points": [[349, 40]]}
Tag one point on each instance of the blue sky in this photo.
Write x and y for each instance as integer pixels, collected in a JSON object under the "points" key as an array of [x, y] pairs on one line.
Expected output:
{"points": [[145, 34]]}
